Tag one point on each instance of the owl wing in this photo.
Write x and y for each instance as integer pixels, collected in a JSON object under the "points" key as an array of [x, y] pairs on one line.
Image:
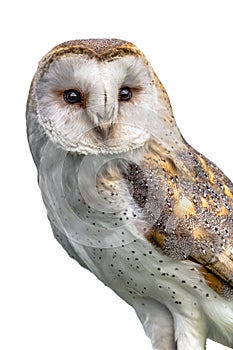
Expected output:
{"points": [[188, 203], [216, 267]]}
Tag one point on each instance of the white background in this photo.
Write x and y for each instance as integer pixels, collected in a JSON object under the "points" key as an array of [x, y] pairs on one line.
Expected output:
{"points": [[47, 301]]}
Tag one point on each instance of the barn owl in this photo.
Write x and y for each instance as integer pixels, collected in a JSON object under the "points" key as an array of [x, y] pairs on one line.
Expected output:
{"points": [[127, 196]]}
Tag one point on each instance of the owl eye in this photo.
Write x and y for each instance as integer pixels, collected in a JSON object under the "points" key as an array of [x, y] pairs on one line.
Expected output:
{"points": [[125, 93], [72, 96]]}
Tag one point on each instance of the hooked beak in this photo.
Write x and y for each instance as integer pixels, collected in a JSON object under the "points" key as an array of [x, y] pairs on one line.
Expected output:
{"points": [[104, 131]]}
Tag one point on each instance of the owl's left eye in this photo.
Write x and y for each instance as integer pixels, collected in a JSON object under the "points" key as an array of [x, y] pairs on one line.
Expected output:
{"points": [[72, 96], [125, 93]]}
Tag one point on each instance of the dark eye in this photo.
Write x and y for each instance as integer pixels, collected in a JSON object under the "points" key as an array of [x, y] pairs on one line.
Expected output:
{"points": [[125, 93], [72, 96]]}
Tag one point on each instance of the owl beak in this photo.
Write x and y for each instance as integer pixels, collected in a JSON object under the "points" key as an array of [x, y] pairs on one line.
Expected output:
{"points": [[104, 131]]}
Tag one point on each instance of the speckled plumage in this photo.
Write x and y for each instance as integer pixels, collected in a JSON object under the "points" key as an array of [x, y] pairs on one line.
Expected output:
{"points": [[128, 198]]}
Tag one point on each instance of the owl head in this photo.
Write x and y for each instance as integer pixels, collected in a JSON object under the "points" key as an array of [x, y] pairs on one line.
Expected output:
{"points": [[101, 96]]}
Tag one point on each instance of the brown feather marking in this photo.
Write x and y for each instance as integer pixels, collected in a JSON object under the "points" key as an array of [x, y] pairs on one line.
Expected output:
{"points": [[214, 282], [204, 203], [224, 267], [184, 208], [207, 169], [199, 233], [228, 192], [155, 238], [222, 211], [99, 46]]}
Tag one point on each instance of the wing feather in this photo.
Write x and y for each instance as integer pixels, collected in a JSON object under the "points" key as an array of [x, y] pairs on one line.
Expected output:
{"points": [[188, 202]]}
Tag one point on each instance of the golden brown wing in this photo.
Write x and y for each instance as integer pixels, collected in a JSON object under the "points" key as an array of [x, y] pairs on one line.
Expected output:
{"points": [[188, 202]]}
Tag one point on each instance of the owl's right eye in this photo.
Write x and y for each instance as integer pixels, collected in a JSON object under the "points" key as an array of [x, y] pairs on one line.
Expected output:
{"points": [[73, 96]]}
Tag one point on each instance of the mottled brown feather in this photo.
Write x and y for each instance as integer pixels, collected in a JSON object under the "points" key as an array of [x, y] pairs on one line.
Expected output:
{"points": [[100, 49], [197, 212]]}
